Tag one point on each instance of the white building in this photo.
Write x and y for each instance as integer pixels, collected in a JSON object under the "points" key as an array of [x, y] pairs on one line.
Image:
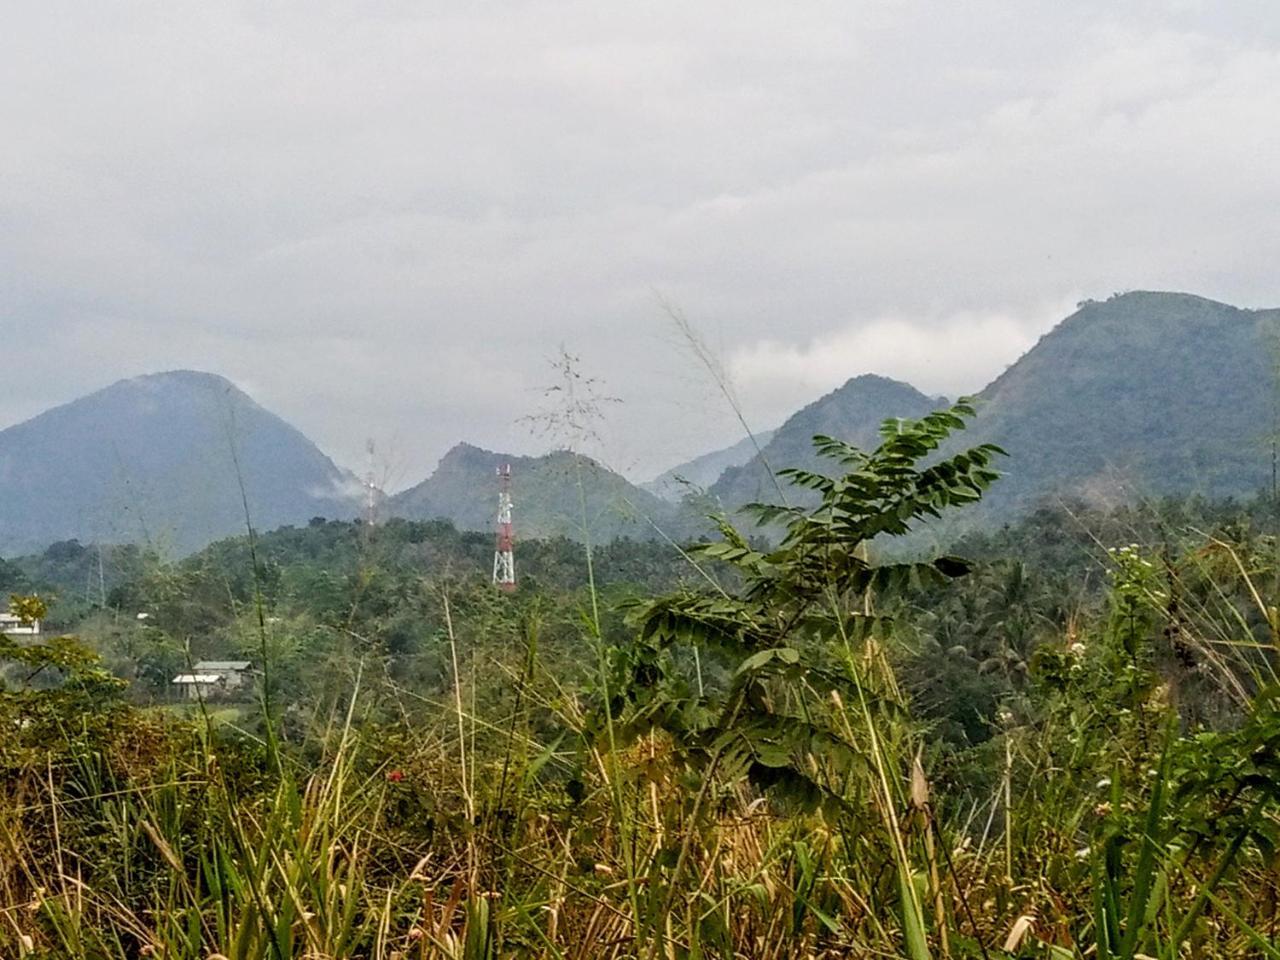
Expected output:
{"points": [[12, 626], [200, 686], [214, 679]]}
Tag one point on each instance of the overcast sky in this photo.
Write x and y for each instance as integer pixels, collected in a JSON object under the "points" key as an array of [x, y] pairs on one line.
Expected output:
{"points": [[382, 219]]}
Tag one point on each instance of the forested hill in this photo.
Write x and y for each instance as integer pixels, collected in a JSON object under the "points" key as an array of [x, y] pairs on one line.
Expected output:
{"points": [[1143, 394], [852, 413], [464, 490], [160, 459]]}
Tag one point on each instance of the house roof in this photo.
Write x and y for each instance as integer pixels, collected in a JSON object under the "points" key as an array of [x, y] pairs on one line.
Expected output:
{"points": [[197, 678]]}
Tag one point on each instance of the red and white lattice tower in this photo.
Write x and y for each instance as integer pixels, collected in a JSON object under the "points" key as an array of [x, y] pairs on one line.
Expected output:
{"points": [[370, 490], [504, 560]]}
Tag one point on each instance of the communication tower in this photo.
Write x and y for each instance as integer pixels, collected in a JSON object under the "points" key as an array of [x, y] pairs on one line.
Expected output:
{"points": [[370, 490], [504, 561]]}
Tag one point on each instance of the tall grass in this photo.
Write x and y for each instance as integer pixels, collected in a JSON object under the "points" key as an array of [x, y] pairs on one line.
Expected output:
{"points": [[184, 855]]}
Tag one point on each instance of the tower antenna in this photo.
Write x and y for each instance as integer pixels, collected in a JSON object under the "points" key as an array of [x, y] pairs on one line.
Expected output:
{"points": [[370, 489], [504, 561]]}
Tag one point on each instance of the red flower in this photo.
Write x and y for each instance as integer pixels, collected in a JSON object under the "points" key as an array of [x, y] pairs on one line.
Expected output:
{"points": [[395, 776]]}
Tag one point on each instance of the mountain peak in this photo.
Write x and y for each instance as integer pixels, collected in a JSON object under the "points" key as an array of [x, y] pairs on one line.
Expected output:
{"points": [[852, 412], [164, 458], [864, 380], [867, 390], [1150, 306], [464, 451], [465, 455], [187, 378], [1158, 298]]}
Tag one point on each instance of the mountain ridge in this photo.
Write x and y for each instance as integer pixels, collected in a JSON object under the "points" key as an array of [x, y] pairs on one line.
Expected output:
{"points": [[1144, 393]]}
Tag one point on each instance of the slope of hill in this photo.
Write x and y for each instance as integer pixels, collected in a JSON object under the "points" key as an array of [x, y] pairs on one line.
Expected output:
{"points": [[854, 413], [703, 471], [159, 459], [464, 490], [1143, 394]]}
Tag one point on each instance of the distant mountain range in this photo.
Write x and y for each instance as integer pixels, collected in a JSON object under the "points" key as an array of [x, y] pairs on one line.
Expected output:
{"points": [[1141, 394], [160, 459]]}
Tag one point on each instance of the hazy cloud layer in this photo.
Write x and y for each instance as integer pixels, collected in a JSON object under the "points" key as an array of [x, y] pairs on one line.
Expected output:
{"points": [[947, 355], [382, 218]]}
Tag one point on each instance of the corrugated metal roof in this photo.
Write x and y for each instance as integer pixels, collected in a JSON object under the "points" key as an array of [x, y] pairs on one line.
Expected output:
{"points": [[197, 678]]}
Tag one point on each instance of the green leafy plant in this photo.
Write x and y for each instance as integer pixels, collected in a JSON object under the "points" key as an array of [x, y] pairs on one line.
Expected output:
{"points": [[785, 641]]}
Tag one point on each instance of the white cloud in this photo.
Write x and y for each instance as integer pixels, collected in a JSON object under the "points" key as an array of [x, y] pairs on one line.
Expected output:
{"points": [[950, 356]]}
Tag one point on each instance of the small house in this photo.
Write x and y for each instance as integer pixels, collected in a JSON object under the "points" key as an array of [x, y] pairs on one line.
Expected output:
{"points": [[13, 626], [233, 673], [213, 679], [200, 686]]}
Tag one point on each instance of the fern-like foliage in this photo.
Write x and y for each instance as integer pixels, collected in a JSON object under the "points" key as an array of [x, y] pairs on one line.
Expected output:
{"points": [[777, 662]]}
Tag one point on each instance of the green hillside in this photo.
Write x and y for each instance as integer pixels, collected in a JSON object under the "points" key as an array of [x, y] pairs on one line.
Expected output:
{"points": [[1141, 395]]}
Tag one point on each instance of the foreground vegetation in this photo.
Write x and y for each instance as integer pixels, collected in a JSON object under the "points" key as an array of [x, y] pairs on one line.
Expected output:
{"points": [[1068, 747]]}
